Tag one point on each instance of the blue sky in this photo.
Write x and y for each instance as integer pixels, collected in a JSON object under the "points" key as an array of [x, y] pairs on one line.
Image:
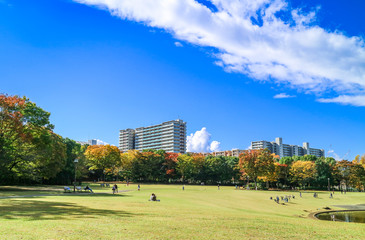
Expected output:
{"points": [[98, 72]]}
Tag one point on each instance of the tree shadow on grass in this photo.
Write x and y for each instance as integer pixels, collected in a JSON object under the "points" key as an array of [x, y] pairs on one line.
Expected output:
{"points": [[94, 195], [44, 210]]}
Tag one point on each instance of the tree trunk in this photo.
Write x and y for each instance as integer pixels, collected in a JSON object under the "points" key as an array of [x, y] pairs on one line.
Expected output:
{"points": [[255, 184]]}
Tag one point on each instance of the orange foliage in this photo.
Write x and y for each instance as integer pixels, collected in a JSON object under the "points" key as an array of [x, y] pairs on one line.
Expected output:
{"points": [[170, 162]]}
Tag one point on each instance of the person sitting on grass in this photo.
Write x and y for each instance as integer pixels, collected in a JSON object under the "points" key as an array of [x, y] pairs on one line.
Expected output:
{"points": [[153, 198], [88, 188]]}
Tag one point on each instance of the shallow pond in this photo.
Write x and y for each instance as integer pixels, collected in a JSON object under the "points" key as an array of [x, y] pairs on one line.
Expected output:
{"points": [[345, 216]]}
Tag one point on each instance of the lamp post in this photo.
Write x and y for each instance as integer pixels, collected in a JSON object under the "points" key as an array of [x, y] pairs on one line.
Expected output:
{"points": [[75, 161], [329, 188]]}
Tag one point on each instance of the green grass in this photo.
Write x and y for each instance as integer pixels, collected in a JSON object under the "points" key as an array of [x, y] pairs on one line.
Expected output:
{"points": [[199, 212]]}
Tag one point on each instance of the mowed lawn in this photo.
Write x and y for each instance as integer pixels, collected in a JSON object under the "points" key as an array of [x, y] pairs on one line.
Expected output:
{"points": [[199, 212]]}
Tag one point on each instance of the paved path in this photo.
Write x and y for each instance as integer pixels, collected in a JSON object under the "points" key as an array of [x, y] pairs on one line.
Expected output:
{"points": [[61, 194]]}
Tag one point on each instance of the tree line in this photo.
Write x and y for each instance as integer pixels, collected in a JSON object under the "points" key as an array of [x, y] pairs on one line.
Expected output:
{"points": [[31, 152], [256, 167]]}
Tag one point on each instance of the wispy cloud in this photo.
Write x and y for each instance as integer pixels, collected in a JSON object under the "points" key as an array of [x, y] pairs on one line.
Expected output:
{"points": [[263, 39], [332, 153], [346, 100], [200, 142], [178, 44], [283, 95]]}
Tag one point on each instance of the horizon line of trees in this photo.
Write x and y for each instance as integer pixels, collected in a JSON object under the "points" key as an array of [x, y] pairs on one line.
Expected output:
{"points": [[259, 168], [30, 152]]}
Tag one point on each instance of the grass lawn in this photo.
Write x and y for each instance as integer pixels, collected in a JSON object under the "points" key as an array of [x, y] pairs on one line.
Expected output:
{"points": [[199, 212]]}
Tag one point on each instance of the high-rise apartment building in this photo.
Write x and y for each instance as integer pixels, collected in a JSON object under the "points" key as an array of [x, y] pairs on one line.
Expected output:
{"points": [[169, 136], [126, 139], [286, 150]]}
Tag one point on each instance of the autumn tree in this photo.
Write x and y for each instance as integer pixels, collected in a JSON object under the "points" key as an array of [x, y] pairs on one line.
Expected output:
{"points": [[357, 176], [105, 158], [127, 160], [302, 172], [170, 164], [28, 146], [344, 170], [256, 163], [281, 173], [360, 160]]}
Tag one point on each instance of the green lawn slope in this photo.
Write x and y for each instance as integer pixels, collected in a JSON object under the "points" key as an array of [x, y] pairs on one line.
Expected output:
{"points": [[199, 212]]}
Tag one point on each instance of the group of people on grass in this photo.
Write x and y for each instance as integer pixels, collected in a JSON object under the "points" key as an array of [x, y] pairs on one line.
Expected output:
{"points": [[285, 198]]}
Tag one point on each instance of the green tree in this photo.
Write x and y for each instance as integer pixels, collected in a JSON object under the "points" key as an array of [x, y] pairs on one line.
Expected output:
{"points": [[286, 160], [28, 147], [148, 166], [310, 158], [74, 151], [324, 171], [186, 167]]}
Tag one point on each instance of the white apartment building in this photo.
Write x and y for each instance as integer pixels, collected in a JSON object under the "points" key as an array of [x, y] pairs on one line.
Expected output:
{"points": [[286, 150], [169, 136], [126, 139]]}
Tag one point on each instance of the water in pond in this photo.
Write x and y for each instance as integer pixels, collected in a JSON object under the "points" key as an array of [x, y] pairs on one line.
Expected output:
{"points": [[355, 216]]}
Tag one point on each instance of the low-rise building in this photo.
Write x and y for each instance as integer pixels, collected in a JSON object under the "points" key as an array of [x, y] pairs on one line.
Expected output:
{"points": [[228, 153]]}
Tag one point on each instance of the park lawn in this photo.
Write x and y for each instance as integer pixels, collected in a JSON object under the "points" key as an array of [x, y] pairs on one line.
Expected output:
{"points": [[199, 212]]}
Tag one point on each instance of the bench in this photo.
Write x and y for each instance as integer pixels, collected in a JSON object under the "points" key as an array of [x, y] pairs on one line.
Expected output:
{"points": [[67, 189]]}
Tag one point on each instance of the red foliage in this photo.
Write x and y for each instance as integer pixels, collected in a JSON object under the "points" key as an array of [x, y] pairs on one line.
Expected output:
{"points": [[171, 157], [170, 171]]}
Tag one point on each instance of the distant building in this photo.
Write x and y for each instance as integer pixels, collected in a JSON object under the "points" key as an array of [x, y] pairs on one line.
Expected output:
{"points": [[228, 153], [286, 150], [82, 142], [169, 136], [126, 139], [93, 142]]}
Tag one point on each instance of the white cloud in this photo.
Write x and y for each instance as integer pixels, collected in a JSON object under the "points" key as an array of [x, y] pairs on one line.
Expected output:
{"points": [[346, 100], [178, 44], [99, 142], [331, 153], [283, 95], [251, 38], [215, 146], [200, 142]]}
